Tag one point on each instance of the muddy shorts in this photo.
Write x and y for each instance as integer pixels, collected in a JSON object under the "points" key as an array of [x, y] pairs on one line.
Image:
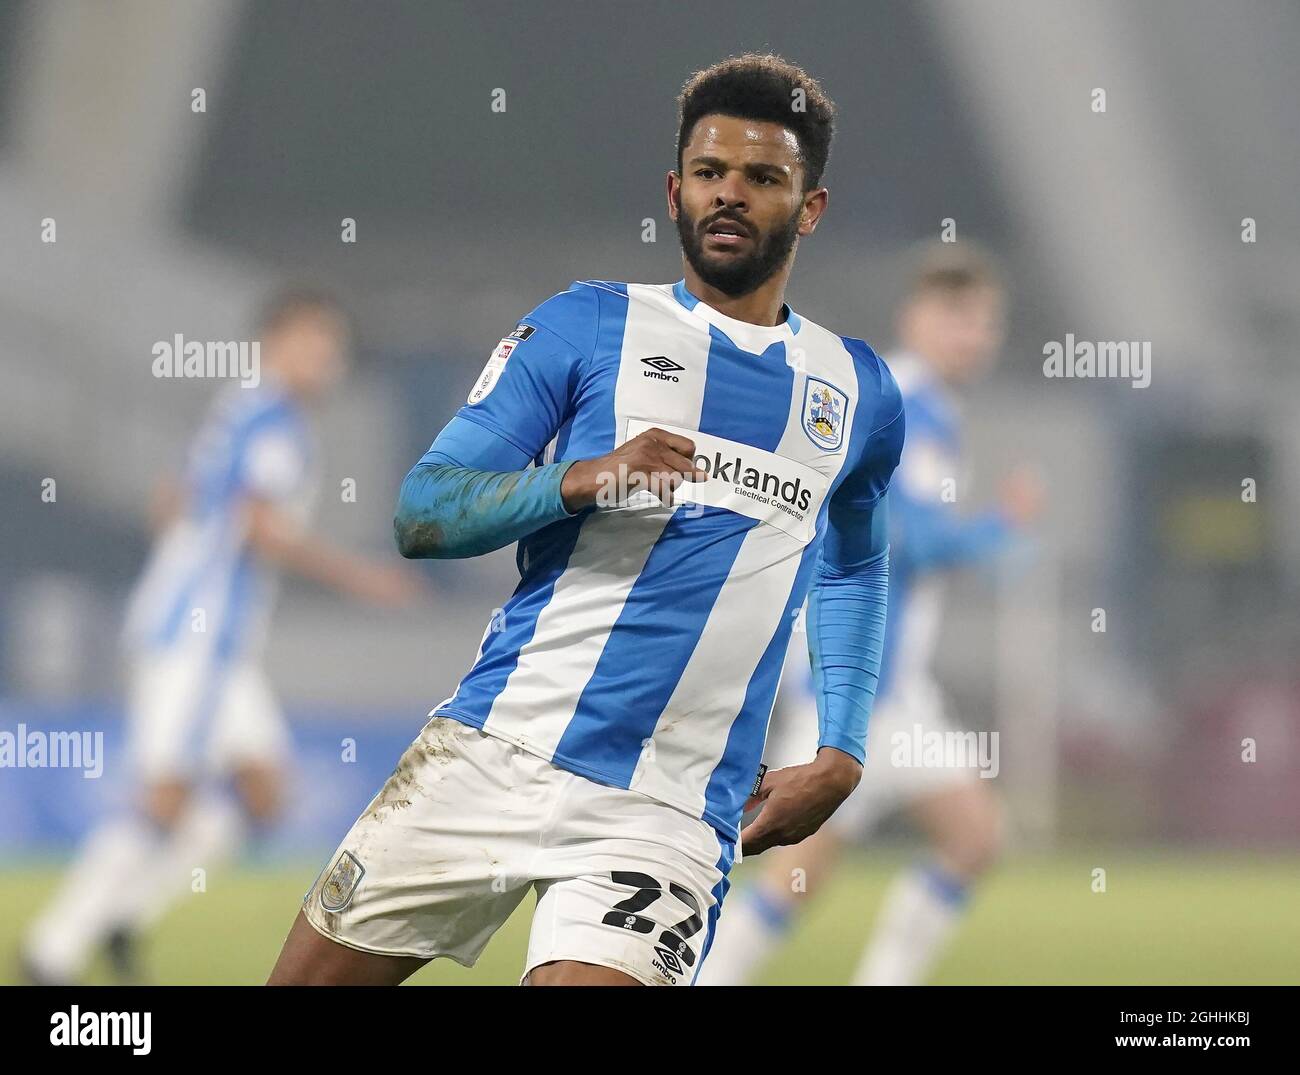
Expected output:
{"points": [[469, 823]]}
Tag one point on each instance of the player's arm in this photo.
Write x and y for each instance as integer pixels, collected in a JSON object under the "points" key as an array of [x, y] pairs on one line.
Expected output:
{"points": [[847, 603], [849, 596], [477, 489], [847, 606], [166, 503], [271, 470], [281, 540], [473, 492], [936, 535]]}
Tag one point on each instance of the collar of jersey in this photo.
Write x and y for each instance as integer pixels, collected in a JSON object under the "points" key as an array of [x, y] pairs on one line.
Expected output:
{"points": [[748, 337]]}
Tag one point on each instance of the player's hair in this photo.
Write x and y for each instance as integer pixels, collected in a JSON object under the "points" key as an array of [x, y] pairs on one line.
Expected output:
{"points": [[763, 87], [292, 302], [949, 269]]}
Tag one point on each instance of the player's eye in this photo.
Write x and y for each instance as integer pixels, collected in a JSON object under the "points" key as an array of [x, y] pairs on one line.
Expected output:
{"points": [[705, 173], [764, 178]]}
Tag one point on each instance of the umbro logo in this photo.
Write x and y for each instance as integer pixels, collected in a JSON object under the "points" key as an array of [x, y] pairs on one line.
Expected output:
{"points": [[662, 368], [667, 964], [670, 959]]}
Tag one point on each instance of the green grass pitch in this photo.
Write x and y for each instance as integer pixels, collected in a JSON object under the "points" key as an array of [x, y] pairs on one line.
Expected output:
{"points": [[1165, 918]]}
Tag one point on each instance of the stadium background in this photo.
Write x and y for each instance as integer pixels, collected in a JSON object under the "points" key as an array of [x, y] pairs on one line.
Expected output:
{"points": [[1120, 750]]}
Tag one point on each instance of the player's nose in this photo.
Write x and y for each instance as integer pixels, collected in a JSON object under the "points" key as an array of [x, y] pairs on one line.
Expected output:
{"points": [[731, 195]]}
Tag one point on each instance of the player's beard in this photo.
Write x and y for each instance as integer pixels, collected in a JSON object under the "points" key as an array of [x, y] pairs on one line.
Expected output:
{"points": [[730, 274]]}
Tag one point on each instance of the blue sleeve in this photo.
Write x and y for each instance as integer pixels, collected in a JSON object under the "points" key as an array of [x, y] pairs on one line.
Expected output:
{"points": [[936, 537], [849, 596], [474, 491], [877, 434], [846, 630], [533, 379], [929, 531]]}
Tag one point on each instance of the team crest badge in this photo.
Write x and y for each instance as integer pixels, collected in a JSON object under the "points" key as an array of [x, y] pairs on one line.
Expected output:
{"points": [[824, 407], [336, 893]]}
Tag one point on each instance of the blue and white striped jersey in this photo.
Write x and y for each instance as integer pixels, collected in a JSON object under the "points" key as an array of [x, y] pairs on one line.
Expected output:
{"points": [[644, 643], [203, 585]]}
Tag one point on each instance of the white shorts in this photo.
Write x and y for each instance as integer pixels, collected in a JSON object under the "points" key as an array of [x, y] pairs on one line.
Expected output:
{"points": [[885, 785], [468, 823], [190, 716]]}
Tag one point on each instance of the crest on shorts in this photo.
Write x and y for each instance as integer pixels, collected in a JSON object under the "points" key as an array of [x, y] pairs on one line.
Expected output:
{"points": [[824, 407], [336, 893]]}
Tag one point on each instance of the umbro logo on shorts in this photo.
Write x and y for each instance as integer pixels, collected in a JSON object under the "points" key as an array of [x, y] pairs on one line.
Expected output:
{"points": [[670, 960], [662, 368]]}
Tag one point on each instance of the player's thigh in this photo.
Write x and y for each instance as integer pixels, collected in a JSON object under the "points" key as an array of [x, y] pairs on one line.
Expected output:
{"points": [[942, 790], [796, 871], [636, 923], [884, 786], [440, 857], [168, 697], [248, 731], [902, 768], [260, 789], [628, 884], [571, 972], [963, 822], [165, 799], [308, 958]]}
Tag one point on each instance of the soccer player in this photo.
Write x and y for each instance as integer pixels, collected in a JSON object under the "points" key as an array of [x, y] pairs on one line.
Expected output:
{"points": [[200, 712], [950, 330], [681, 465]]}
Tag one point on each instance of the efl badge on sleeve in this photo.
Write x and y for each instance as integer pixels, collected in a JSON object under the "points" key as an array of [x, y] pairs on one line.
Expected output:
{"points": [[824, 407], [496, 363], [337, 891]]}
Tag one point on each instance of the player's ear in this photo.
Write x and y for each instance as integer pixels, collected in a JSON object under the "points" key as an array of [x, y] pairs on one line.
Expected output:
{"points": [[814, 205]]}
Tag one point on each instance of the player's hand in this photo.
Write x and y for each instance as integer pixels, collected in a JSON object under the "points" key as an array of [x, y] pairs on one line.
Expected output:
{"points": [[387, 585], [798, 800], [656, 460], [1022, 495]]}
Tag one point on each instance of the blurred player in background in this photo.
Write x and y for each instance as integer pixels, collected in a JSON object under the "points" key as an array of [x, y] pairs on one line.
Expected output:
{"points": [[950, 328], [202, 721]]}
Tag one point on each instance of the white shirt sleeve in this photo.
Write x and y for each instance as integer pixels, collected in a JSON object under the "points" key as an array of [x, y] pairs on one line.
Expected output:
{"points": [[274, 466]]}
